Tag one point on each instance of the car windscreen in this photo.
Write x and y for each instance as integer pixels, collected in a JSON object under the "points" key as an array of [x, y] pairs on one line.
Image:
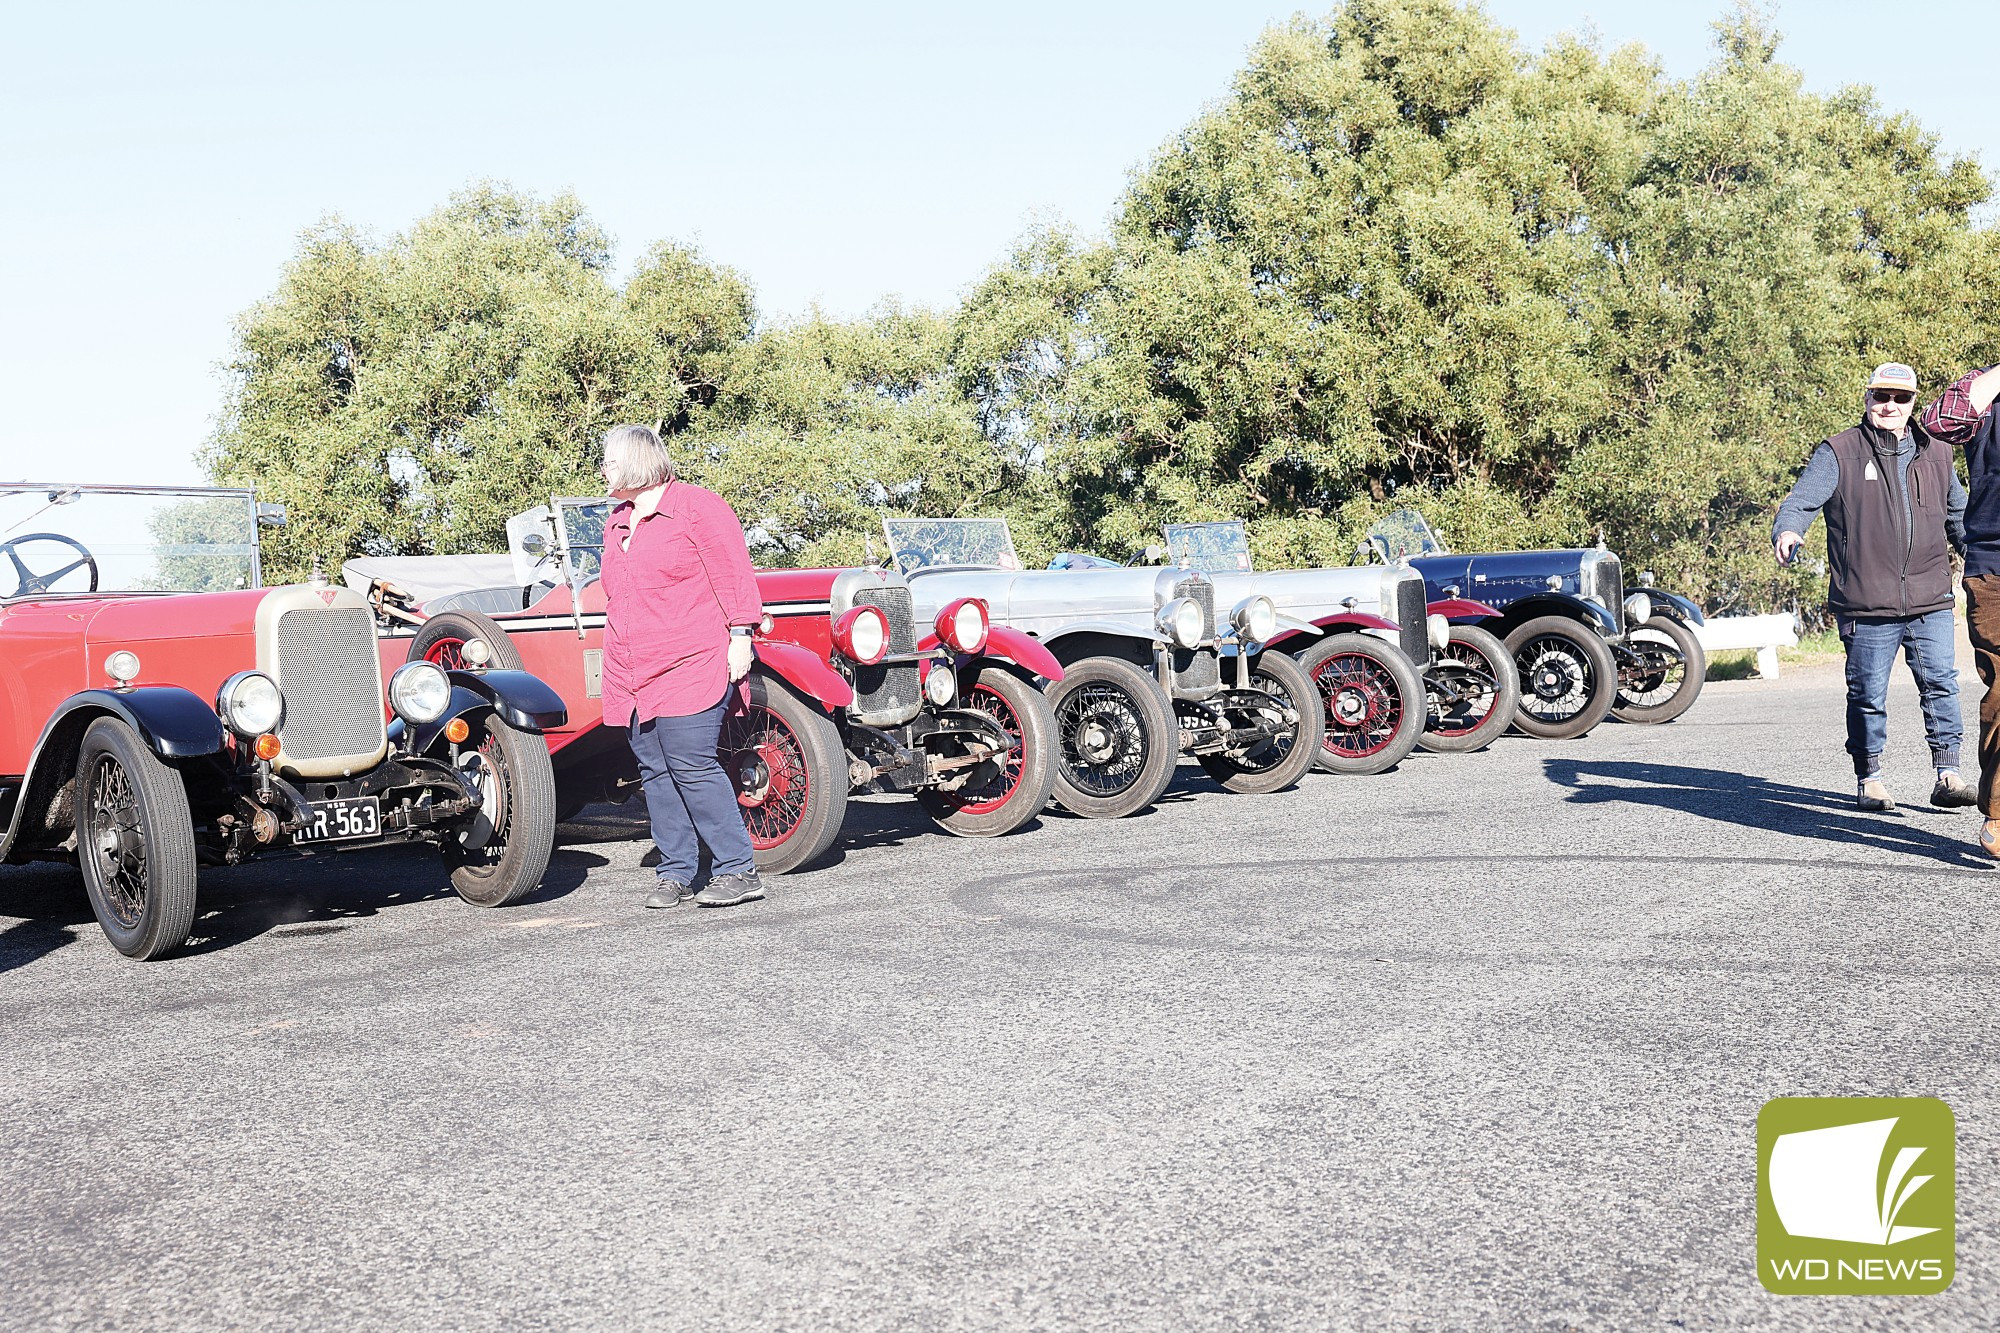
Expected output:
{"points": [[1402, 535], [1212, 548], [83, 539], [928, 543]]}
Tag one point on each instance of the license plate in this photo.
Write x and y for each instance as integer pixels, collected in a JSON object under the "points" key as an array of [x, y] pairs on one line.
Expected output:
{"points": [[333, 821]]}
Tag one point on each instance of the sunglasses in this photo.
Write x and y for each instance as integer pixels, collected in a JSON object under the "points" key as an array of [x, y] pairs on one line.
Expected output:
{"points": [[1890, 395]]}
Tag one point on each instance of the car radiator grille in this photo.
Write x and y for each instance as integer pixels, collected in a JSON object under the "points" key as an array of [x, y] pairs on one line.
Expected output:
{"points": [[328, 671], [1412, 631], [1200, 671], [888, 693], [1607, 584]]}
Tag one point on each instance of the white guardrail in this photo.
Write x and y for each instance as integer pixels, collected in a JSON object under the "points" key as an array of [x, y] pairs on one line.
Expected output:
{"points": [[1766, 634]]}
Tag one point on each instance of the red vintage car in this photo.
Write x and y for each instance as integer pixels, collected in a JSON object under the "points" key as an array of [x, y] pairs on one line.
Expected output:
{"points": [[848, 694], [161, 709]]}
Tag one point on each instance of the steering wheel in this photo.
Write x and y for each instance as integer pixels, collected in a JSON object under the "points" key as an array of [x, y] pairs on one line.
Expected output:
{"points": [[26, 582]]}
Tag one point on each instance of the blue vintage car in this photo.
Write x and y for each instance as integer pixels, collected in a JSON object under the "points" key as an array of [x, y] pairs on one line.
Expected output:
{"points": [[1583, 645]]}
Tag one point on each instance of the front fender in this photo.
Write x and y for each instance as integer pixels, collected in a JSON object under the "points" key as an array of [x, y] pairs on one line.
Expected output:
{"points": [[1676, 606], [1461, 610], [524, 701], [805, 672], [1338, 623], [1123, 629], [1024, 650], [1562, 604]]}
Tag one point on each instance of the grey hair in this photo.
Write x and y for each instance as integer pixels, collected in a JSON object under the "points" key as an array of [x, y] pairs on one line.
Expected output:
{"points": [[643, 462]]}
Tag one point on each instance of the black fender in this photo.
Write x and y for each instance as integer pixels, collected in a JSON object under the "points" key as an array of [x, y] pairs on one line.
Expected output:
{"points": [[1558, 604], [1675, 606], [174, 723], [522, 700]]}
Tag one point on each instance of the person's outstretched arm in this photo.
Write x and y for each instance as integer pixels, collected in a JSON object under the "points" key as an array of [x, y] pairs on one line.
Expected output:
{"points": [[1953, 415], [1809, 495]]}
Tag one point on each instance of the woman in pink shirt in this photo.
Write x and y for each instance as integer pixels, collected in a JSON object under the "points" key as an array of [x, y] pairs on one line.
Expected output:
{"points": [[680, 601]]}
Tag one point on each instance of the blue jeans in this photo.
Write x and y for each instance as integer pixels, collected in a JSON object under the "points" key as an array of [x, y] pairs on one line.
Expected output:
{"points": [[689, 799], [1926, 641]]}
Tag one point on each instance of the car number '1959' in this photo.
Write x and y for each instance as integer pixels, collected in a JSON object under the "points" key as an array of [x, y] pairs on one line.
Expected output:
{"points": [[356, 817]]}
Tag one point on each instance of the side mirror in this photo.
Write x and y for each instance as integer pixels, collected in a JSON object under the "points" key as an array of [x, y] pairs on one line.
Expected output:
{"points": [[272, 516]]}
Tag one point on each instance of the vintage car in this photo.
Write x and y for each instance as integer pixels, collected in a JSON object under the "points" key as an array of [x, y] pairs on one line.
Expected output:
{"points": [[1469, 689], [851, 691], [163, 710], [1582, 646], [1150, 671]]}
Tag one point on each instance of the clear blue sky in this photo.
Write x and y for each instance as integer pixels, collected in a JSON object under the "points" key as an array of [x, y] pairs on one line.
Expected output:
{"points": [[157, 162]]}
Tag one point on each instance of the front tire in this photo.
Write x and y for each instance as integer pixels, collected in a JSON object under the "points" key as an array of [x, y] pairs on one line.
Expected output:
{"points": [[134, 841], [1015, 793], [1666, 685], [1371, 700], [1117, 739], [499, 855], [1566, 674], [789, 767], [1484, 696], [441, 641], [1282, 760]]}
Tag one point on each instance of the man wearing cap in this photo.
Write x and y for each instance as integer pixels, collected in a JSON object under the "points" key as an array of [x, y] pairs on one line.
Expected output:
{"points": [[1963, 415], [1894, 508]]}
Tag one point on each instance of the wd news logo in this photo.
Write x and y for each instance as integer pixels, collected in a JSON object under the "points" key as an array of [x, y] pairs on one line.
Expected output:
{"points": [[1855, 1195]]}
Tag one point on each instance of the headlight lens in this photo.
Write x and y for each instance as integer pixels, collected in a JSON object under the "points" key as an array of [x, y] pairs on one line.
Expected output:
{"points": [[863, 635], [249, 702], [940, 685], [1439, 630], [1181, 620], [419, 692], [1256, 619], [476, 653], [964, 625], [1638, 609]]}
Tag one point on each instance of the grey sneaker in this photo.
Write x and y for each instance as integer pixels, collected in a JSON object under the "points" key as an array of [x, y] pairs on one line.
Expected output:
{"points": [[1953, 792], [670, 893], [1872, 795], [729, 890]]}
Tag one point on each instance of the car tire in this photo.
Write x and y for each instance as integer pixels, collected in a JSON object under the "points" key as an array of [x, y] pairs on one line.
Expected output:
{"points": [[1578, 695], [789, 767], [1117, 740], [441, 640], [134, 842], [1456, 727], [1018, 794], [1288, 757], [499, 856], [1640, 698], [1371, 701]]}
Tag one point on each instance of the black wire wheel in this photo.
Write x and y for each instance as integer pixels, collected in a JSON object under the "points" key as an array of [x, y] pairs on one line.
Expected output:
{"points": [[1117, 739], [498, 854], [1281, 760], [134, 842], [1473, 692], [1660, 672], [1567, 677]]}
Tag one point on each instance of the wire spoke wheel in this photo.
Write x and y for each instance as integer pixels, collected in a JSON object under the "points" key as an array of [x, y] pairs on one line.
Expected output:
{"points": [[448, 652], [1473, 694], [1103, 740], [1661, 668], [1651, 676], [766, 761], [1289, 712], [1556, 679], [134, 841], [1005, 780], [117, 840], [1362, 706]]}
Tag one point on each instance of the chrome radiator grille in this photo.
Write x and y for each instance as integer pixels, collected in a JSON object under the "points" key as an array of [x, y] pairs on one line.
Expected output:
{"points": [[1607, 584], [1198, 672], [327, 669], [888, 693], [1412, 634]]}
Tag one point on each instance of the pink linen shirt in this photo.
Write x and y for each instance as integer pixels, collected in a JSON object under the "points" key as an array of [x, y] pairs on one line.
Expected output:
{"points": [[669, 602]]}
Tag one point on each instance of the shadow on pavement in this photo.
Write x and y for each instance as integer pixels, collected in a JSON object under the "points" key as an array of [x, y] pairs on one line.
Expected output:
{"points": [[1755, 803]]}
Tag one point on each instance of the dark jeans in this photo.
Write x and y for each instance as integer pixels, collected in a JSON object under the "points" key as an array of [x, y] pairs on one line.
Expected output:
{"points": [[689, 799], [1982, 626], [1871, 653]]}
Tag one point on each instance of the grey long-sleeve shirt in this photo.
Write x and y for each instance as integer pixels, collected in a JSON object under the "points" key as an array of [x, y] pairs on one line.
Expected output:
{"points": [[1821, 477]]}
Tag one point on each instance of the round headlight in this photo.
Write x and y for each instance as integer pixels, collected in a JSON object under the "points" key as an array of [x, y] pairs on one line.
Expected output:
{"points": [[1638, 609], [863, 635], [1255, 618], [1439, 631], [122, 666], [940, 686], [475, 652], [963, 625], [419, 692], [1181, 620], [250, 704]]}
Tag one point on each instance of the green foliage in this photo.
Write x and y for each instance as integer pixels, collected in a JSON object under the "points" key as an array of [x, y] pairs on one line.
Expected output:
{"points": [[1541, 295]]}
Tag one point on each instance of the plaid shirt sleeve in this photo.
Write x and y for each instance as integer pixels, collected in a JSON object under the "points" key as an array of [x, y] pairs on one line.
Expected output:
{"points": [[1950, 416]]}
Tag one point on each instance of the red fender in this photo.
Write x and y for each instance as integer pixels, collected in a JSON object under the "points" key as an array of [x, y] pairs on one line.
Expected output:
{"points": [[1346, 620], [1457, 609], [1022, 649], [804, 671]]}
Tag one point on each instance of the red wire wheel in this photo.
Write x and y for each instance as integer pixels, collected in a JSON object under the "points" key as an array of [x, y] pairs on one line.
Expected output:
{"points": [[1007, 794], [1372, 700], [1000, 788], [767, 762]]}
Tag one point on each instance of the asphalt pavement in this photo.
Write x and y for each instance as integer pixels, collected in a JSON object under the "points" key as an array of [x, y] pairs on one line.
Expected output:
{"points": [[1476, 1044]]}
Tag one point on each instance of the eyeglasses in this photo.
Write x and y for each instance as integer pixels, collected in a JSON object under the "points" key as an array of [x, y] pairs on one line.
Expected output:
{"points": [[1890, 395]]}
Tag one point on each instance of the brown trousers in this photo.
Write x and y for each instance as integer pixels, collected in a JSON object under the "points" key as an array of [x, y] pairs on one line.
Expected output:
{"points": [[1982, 626]]}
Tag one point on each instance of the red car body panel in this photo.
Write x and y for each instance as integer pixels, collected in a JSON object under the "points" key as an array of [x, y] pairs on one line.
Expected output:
{"points": [[1461, 608]]}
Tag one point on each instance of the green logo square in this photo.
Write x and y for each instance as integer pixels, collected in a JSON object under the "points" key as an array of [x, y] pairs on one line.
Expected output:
{"points": [[1856, 1196]]}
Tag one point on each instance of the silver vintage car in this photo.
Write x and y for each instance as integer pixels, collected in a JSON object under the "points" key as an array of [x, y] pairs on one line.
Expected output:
{"points": [[1154, 665]]}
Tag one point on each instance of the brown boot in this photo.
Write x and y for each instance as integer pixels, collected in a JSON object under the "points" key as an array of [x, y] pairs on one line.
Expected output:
{"points": [[1953, 792], [1873, 796], [1989, 838]]}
